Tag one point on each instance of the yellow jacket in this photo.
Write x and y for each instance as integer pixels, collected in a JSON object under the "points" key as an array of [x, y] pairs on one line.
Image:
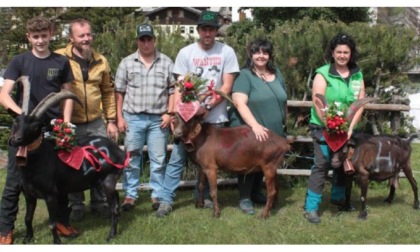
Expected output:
{"points": [[96, 93]]}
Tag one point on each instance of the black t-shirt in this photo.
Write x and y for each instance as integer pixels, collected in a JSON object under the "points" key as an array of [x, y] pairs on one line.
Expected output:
{"points": [[45, 75]]}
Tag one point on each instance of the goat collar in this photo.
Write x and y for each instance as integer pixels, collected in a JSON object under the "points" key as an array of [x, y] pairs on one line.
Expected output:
{"points": [[35, 144]]}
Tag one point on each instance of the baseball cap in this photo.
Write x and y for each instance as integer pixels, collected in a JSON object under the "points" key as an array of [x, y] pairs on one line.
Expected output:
{"points": [[209, 18], [145, 30]]}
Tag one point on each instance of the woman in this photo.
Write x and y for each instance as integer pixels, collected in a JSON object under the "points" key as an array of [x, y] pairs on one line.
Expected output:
{"points": [[341, 80], [259, 94]]}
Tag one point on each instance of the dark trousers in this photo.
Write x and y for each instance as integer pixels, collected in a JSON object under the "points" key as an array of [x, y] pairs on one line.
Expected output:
{"points": [[249, 184], [10, 197]]}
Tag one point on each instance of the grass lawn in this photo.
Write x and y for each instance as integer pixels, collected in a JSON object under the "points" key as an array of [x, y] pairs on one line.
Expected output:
{"points": [[386, 224]]}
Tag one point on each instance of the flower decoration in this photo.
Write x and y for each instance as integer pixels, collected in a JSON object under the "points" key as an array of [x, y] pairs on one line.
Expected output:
{"points": [[64, 135], [190, 86], [336, 123]]}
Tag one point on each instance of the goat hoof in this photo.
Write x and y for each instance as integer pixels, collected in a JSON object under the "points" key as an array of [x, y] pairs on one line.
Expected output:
{"points": [[57, 241], [416, 206], [216, 215], [27, 239], [363, 216], [387, 200]]}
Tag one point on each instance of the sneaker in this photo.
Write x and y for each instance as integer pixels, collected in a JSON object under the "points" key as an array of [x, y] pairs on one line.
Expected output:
{"points": [[246, 206], [312, 217], [103, 211], [128, 204], [164, 210], [342, 206], [155, 204], [77, 214], [6, 238], [66, 231], [208, 204], [259, 198]]}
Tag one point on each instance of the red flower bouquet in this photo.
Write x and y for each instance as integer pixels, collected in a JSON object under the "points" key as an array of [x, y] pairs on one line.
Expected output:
{"points": [[64, 135], [190, 86], [336, 132]]}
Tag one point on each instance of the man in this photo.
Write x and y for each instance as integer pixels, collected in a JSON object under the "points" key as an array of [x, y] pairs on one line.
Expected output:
{"points": [[209, 55], [93, 85], [48, 72], [142, 86]]}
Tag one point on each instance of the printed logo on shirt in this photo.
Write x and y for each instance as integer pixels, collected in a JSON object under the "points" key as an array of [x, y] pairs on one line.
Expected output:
{"points": [[356, 86], [52, 73], [208, 61]]}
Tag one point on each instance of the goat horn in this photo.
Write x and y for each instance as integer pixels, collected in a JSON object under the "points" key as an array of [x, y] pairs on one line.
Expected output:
{"points": [[356, 105], [51, 100], [222, 94], [324, 103], [26, 92]]}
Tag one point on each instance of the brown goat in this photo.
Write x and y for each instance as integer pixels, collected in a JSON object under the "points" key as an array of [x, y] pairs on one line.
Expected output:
{"points": [[379, 158], [233, 150]]}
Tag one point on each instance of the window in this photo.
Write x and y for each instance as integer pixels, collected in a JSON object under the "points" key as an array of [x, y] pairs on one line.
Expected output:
{"points": [[181, 13], [169, 13], [182, 29], [191, 29]]}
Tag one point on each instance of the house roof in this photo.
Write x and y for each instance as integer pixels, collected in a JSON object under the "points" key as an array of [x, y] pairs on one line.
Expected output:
{"points": [[194, 10]]}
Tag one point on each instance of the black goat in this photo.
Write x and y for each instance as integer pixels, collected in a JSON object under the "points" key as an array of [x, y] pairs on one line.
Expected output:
{"points": [[45, 176]]}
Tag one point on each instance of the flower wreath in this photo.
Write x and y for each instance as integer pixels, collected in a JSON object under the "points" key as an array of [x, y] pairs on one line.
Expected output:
{"points": [[190, 86], [64, 135]]}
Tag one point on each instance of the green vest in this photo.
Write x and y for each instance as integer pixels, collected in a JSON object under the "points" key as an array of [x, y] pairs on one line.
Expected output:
{"points": [[338, 89]]}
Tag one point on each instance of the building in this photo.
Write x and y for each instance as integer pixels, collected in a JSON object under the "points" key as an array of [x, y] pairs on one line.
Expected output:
{"points": [[184, 18]]}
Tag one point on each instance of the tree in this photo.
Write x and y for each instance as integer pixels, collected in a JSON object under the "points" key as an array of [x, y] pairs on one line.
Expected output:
{"points": [[269, 16]]}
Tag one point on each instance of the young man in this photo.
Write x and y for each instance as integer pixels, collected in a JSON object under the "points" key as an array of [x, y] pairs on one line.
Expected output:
{"points": [[142, 86], [219, 65], [93, 85], [48, 72]]}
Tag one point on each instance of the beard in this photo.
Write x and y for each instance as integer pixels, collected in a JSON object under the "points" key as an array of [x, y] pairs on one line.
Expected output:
{"points": [[86, 53]]}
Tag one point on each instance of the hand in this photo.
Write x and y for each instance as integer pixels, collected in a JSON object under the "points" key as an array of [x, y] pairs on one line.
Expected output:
{"points": [[260, 132], [112, 131], [166, 121]]}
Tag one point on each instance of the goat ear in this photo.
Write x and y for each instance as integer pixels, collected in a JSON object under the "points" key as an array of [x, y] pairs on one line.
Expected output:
{"points": [[12, 113]]}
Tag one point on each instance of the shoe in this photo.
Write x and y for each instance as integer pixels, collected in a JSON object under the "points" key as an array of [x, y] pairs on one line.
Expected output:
{"points": [[312, 217], [164, 210], [246, 206], [208, 204], [77, 214], [259, 198], [128, 204], [103, 211], [66, 231], [155, 204], [6, 238], [342, 206]]}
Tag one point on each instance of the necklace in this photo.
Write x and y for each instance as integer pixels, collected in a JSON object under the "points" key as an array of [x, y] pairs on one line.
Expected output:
{"points": [[261, 75]]}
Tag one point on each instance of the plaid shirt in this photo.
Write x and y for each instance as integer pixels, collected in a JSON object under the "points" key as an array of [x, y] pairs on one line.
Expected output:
{"points": [[146, 90]]}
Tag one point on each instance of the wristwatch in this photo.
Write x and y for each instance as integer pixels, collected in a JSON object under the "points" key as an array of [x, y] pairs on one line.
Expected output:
{"points": [[207, 106]]}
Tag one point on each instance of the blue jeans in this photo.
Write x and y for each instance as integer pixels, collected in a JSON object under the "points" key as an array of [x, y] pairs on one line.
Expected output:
{"points": [[144, 128]]}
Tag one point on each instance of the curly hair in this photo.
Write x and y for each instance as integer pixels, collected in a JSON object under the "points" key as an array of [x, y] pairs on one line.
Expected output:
{"points": [[257, 45], [37, 24], [342, 39]]}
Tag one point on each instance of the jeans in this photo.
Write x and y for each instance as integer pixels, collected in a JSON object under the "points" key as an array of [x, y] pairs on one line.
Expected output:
{"points": [[10, 197], [173, 175], [97, 196], [145, 128]]}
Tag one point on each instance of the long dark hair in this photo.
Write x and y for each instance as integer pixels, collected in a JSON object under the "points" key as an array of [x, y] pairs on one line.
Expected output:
{"points": [[342, 39], [257, 45]]}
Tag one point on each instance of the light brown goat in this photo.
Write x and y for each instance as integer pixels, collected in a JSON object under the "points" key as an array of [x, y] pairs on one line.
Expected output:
{"points": [[233, 150]]}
